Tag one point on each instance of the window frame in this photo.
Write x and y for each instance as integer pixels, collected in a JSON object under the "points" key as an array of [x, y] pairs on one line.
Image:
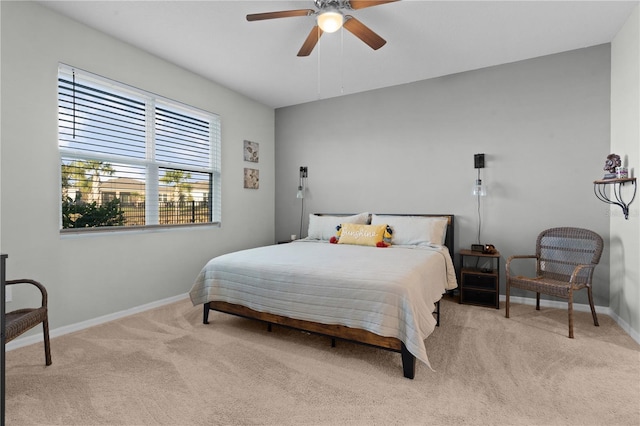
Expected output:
{"points": [[150, 164]]}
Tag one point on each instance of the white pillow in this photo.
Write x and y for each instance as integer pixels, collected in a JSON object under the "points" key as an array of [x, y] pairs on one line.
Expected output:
{"points": [[324, 227], [414, 230]]}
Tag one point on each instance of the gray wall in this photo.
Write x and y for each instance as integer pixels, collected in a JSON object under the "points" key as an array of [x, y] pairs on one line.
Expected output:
{"points": [[542, 123], [94, 275], [625, 141]]}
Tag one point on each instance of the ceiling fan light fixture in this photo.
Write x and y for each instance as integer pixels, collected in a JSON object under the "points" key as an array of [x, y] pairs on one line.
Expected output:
{"points": [[330, 20]]}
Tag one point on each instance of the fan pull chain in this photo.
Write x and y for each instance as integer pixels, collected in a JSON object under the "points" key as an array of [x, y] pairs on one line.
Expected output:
{"points": [[318, 64], [342, 60]]}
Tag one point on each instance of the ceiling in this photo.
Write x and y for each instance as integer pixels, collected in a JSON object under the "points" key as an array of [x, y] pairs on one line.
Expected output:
{"points": [[425, 39]]}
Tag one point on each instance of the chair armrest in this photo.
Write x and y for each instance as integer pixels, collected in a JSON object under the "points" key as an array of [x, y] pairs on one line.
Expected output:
{"points": [[42, 289], [578, 269], [523, 256]]}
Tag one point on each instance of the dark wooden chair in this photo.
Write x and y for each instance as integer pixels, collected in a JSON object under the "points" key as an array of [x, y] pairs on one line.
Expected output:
{"points": [[565, 259], [21, 320]]}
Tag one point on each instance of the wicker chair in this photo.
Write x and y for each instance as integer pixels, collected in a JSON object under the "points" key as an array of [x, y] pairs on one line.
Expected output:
{"points": [[21, 320], [565, 260]]}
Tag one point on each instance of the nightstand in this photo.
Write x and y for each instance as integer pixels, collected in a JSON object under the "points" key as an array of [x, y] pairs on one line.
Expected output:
{"points": [[480, 278]]}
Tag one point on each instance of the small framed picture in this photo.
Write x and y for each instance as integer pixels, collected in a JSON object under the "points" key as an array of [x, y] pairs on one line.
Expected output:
{"points": [[251, 178], [251, 151]]}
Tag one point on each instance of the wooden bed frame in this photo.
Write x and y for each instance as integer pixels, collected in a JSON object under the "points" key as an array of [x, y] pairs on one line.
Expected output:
{"points": [[338, 331]]}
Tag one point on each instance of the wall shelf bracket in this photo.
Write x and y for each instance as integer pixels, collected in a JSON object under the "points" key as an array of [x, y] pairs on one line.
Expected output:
{"points": [[600, 189]]}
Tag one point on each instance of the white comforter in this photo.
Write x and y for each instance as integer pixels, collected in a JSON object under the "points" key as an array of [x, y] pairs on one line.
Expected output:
{"points": [[388, 291]]}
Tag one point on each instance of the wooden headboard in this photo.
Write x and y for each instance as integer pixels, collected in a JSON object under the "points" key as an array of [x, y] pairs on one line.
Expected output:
{"points": [[449, 240]]}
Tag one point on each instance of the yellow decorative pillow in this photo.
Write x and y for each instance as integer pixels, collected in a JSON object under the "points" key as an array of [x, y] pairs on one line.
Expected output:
{"points": [[363, 235]]}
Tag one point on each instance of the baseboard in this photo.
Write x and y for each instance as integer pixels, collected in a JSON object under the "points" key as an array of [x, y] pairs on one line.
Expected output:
{"points": [[35, 338], [60, 331], [624, 325], [580, 307]]}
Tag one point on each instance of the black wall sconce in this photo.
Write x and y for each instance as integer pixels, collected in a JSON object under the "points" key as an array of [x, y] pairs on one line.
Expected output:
{"points": [[300, 194], [301, 186], [478, 189]]}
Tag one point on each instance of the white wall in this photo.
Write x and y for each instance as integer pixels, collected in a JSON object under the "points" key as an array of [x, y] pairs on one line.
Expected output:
{"points": [[91, 276], [542, 123], [625, 141]]}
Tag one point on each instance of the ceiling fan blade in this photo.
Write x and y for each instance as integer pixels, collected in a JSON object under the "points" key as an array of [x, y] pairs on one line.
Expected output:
{"points": [[282, 14], [363, 32], [361, 4], [310, 42]]}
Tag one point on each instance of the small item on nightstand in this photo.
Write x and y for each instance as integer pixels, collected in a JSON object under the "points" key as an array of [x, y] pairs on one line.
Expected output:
{"points": [[489, 249], [484, 248]]}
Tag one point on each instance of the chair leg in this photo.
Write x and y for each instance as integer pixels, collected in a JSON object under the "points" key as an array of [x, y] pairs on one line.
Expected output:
{"points": [[593, 309], [537, 301], [47, 346], [570, 302], [506, 300]]}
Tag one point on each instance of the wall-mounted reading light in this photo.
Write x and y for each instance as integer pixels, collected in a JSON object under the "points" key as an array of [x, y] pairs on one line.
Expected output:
{"points": [[301, 186], [479, 189], [300, 194]]}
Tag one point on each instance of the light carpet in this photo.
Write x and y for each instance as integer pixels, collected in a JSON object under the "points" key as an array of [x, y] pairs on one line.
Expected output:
{"points": [[165, 367]]}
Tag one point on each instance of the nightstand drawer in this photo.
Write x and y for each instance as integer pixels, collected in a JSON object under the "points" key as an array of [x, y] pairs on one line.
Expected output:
{"points": [[479, 280]]}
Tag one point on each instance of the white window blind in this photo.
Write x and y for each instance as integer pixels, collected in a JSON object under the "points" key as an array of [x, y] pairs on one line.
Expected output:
{"points": [[131, 158]]}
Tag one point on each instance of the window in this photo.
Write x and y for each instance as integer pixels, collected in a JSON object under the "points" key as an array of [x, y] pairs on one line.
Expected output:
{"points": [[131, 158]]}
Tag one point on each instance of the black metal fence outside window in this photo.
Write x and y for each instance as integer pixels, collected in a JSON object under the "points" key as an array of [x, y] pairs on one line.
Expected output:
{"points": [[170, 213]]}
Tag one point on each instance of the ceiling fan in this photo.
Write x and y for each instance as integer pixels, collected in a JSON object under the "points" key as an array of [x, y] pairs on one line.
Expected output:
{"points": [[330, 18]]}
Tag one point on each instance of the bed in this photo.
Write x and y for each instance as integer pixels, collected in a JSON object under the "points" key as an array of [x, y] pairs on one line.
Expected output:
{"points": [[343, 281]]}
